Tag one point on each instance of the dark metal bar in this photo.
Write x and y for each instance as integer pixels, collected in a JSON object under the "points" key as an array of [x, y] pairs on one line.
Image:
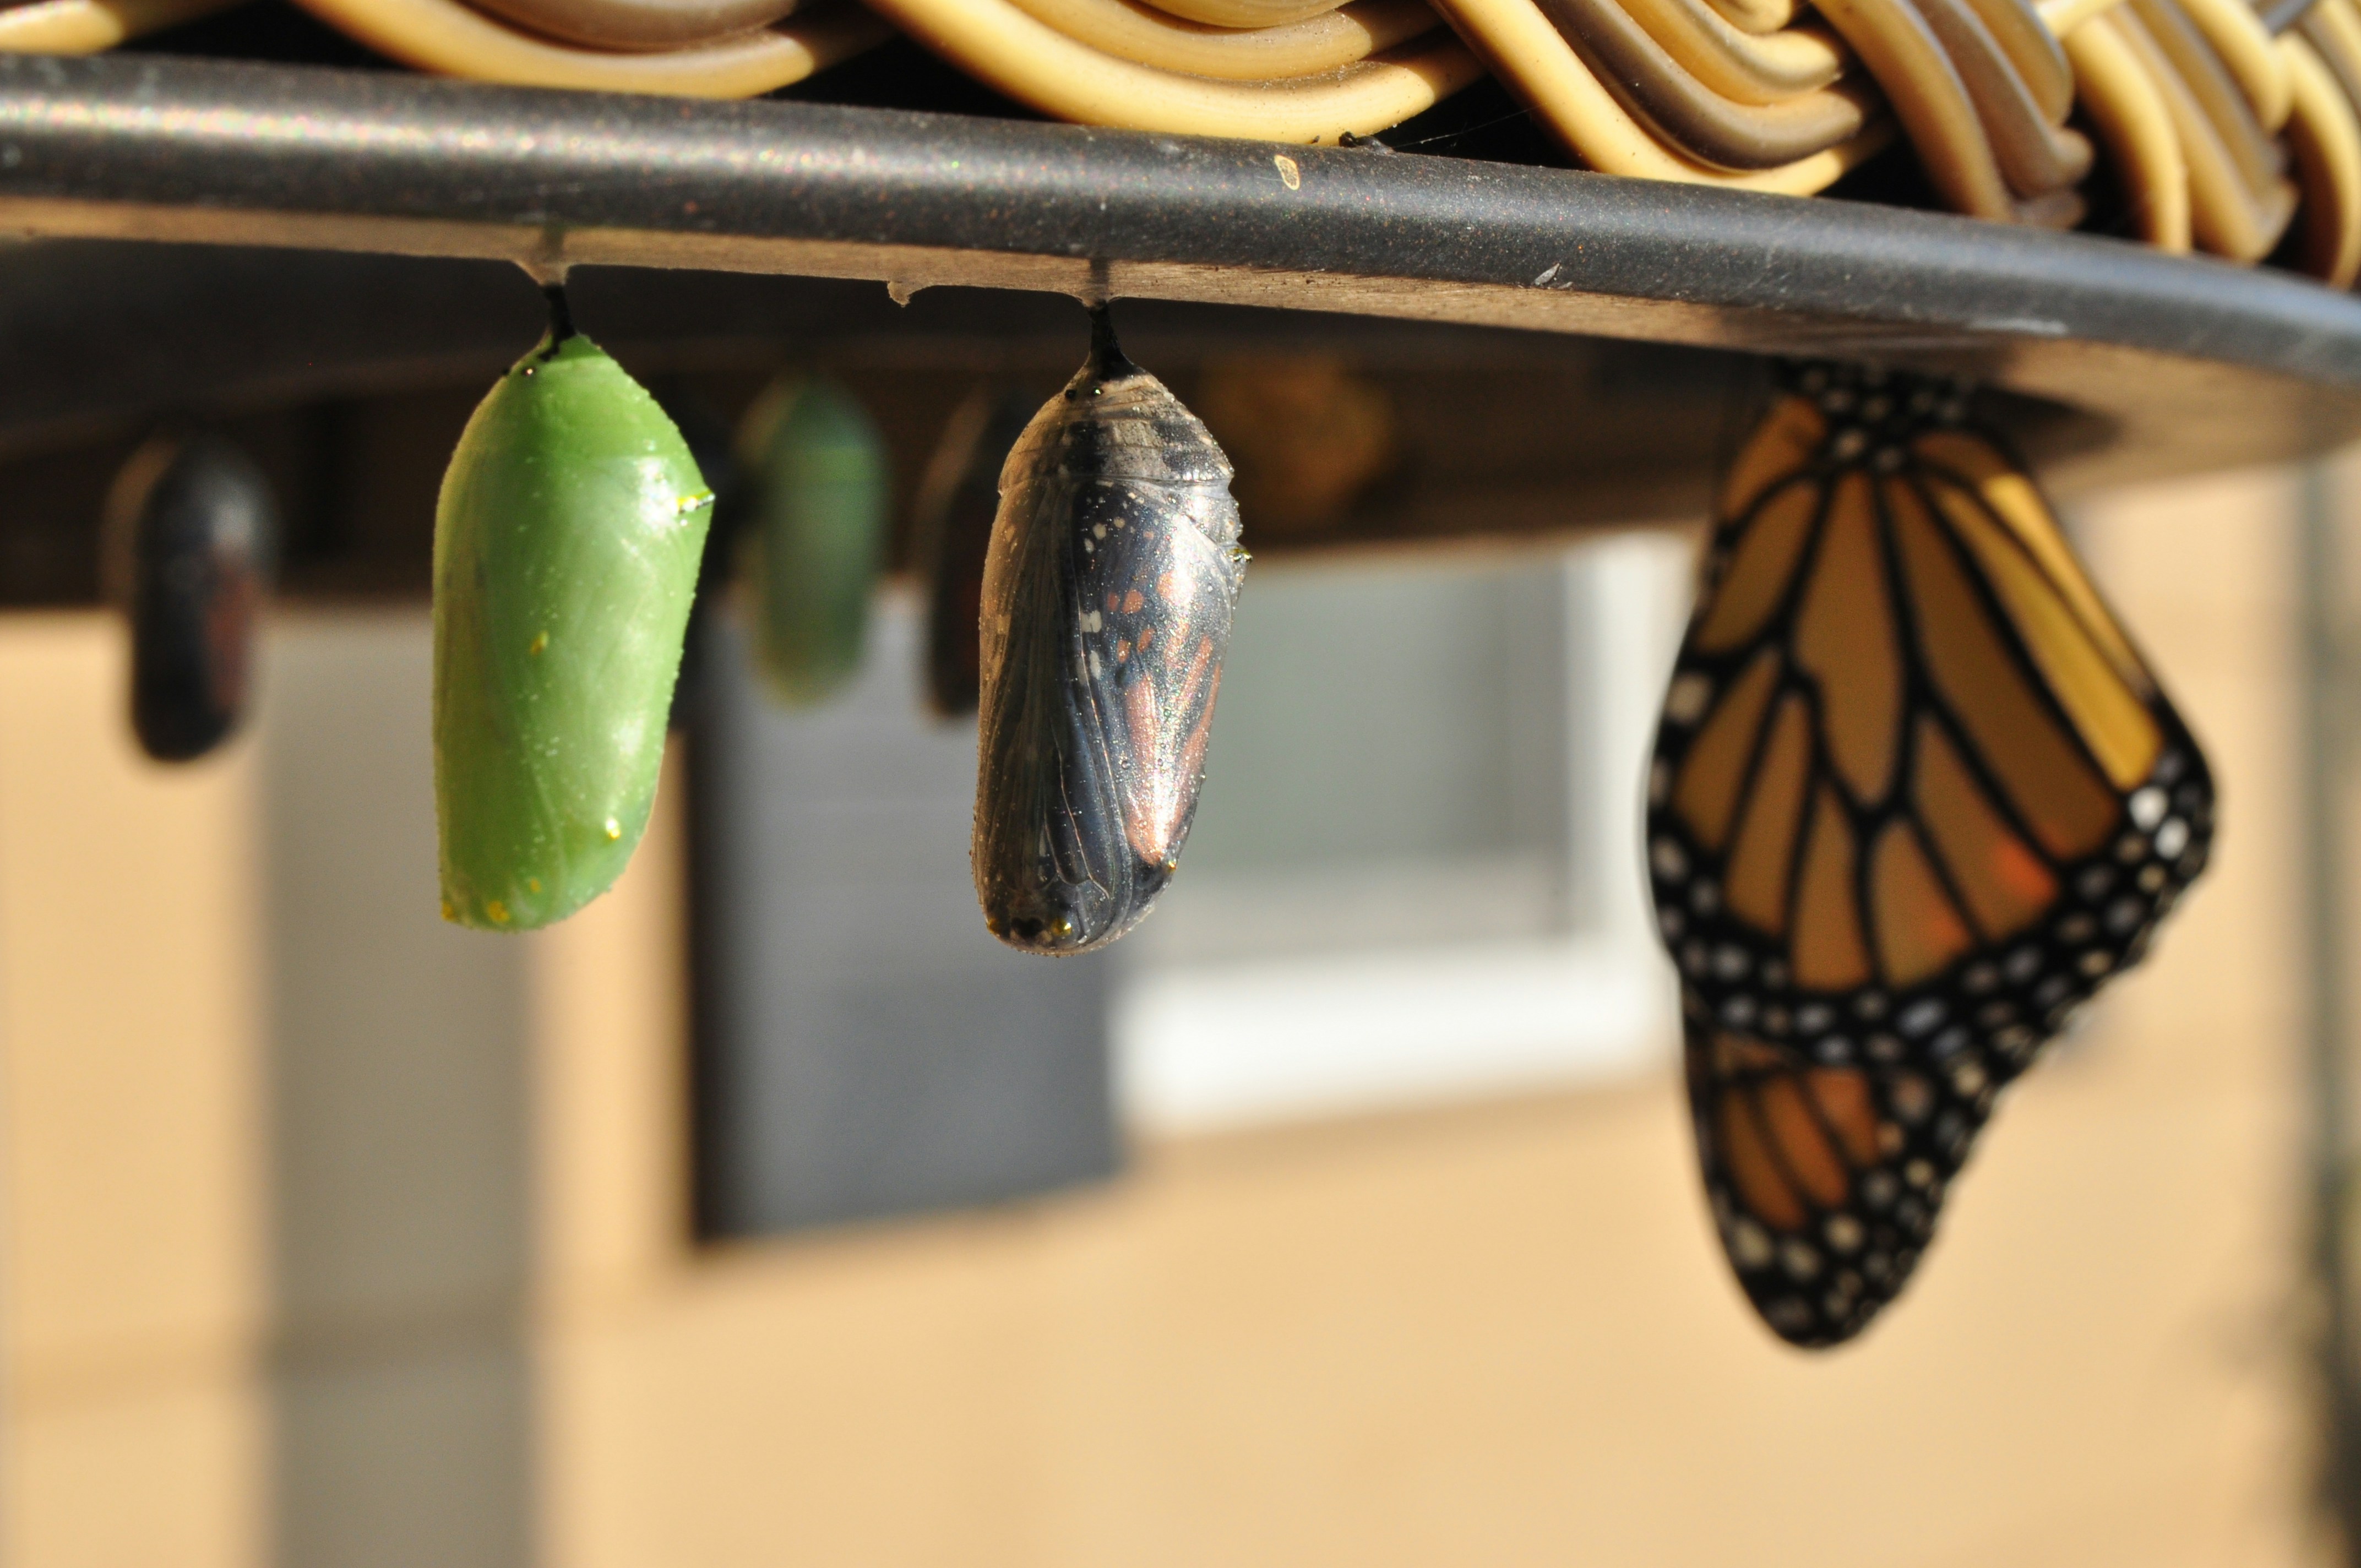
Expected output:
{"points": [[2198, 364]]}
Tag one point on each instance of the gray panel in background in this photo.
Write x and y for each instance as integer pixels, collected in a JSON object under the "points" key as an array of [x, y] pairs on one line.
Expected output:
{"points": [[865, 1047], [402, 1225], [1390, 766]]}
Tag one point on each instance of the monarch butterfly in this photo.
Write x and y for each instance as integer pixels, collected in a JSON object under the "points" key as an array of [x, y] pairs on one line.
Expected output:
{"points": [[1107, 595], [191, 533], [817, 515], [566, 541], [1915, 796], [956, 502]]}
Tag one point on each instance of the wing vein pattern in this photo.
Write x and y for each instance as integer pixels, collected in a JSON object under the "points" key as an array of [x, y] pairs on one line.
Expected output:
{"points": [[1915, 797]]}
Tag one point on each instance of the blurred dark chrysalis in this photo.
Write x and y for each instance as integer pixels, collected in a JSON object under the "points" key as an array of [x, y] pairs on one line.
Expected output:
{"points": [[190, 534], [1107, 595], [957, 501], [710, 443]]}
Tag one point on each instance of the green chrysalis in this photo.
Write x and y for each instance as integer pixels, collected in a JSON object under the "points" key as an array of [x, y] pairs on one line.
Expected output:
{"points": [[566, 544], [817, 524]]}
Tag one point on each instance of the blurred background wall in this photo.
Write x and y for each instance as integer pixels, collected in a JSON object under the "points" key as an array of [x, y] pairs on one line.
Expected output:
{"points": [[331, 1236]]}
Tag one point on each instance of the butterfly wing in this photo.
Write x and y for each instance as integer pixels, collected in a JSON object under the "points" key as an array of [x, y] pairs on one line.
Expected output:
{"points": [[1915, 796]]}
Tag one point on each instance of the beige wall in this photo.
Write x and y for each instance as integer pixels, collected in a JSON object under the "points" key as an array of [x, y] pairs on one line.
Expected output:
{"points": [[1486, 1334], [131, 1132]]}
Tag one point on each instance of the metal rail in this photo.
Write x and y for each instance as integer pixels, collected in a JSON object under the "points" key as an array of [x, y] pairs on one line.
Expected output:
{"points": [[2193, 364]]}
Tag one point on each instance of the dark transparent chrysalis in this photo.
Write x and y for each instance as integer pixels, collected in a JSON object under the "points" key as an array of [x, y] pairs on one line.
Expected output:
{"points": [[957, 503], [191, 536], [1107, 597], [817, 505]]}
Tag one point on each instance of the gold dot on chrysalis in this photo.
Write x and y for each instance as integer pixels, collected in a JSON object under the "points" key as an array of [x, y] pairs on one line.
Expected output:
{"points": [[533, 885], [614, 829], [540, 643], [450, 911], [497, 910]]}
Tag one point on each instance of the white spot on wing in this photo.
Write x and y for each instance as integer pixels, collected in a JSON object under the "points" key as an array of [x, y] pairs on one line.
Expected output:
{"points": [[1687, 696]]}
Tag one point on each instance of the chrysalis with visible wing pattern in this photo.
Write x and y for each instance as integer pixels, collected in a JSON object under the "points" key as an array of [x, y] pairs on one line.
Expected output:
{"points": [[566, 544], [190, 538], [1107, 594]]}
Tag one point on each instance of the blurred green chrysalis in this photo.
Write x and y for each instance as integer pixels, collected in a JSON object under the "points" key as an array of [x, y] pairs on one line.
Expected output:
{"points": [[816, 518], [566, 544]]}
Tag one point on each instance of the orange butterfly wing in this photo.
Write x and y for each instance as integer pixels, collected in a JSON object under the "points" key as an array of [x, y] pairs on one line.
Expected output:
{"points": [[1915, 796]]}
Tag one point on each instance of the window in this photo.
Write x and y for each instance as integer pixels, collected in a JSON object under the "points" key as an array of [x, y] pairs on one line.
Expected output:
{"points": [[1414, 875], [1415, 869], [864, 1047]]}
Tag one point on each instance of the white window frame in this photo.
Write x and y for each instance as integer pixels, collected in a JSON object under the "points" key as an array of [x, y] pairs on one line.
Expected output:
{"points": [[1206, 1045]]}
